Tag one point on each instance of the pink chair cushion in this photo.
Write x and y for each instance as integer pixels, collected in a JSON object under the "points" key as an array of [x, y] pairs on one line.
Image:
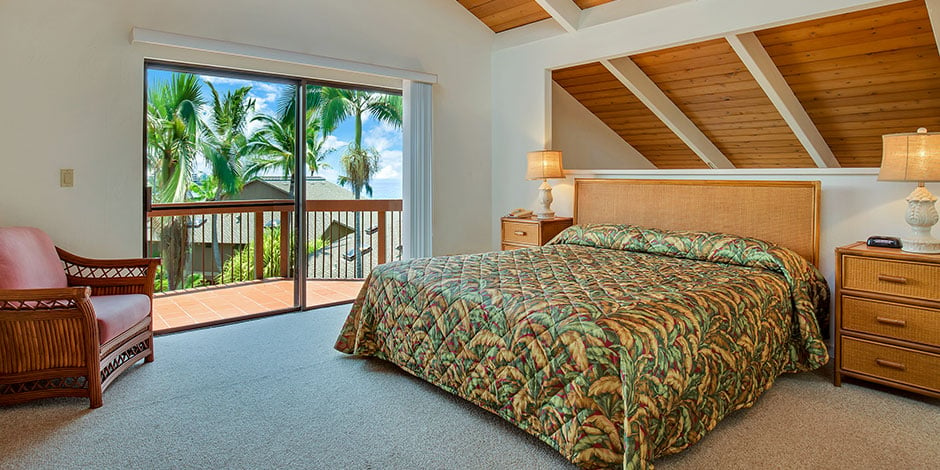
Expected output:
{"points": [[117, 313], [28, 260]]}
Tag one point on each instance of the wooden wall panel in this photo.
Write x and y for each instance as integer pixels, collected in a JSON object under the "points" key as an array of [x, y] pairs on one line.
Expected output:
{"points": [[601, 93], [500, 15], [710, 84], [861, 75]]}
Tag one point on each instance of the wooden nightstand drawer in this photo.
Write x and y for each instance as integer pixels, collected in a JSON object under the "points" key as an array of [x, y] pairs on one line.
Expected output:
{"points": [[904, 322], [520, 232], [891, 277], [902, 365]]}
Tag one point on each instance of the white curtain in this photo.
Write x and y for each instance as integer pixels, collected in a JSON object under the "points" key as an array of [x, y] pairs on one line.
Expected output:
{"points": [[416, 165]]}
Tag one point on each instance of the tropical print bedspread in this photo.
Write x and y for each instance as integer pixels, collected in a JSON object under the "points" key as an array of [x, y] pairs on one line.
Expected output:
{"points": [[614, 344]]}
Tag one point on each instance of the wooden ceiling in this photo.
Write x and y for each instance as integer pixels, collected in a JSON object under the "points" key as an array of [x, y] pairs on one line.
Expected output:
{"points": [[713, 88], [500, 15], [602, 94], [862, 75], [856, 76]]}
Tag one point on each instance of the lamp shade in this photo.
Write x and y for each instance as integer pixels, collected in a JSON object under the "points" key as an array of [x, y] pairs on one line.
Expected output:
{"points": [[911, 157], [544, 164]]}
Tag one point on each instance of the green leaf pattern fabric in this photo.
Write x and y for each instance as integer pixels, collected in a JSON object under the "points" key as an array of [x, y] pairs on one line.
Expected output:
{"points": [[614, 344]]}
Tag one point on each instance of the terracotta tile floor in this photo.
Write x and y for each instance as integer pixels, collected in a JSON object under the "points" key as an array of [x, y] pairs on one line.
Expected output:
{"points": [[189, 309]]}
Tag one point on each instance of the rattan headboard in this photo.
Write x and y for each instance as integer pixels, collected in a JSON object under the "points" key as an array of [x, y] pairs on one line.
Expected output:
{"points": [[782, 212]]}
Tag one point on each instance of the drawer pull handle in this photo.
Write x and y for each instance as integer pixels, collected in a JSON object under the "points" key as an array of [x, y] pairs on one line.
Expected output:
{"points": [[519, 233], [891, 321], [890, 364], [893, 279]]}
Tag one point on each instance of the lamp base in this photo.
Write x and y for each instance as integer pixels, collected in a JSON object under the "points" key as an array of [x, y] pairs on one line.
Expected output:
{"points": [[930, 246], [545, 202], [921, 216]]}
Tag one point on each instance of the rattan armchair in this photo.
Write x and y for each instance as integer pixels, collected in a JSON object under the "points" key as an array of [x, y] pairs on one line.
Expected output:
{"points": [[53, 343]]}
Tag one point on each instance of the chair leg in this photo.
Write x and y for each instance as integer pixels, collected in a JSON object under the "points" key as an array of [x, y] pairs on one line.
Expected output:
{"points": [[149, 357]]}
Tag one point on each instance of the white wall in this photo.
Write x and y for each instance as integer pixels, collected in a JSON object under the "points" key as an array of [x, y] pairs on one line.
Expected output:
{"points": [[854, 205], [585, 141], [71, 89]]}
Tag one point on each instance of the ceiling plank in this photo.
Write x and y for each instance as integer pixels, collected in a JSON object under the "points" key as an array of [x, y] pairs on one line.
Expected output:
{"points": [[565, 12], [646, 90], [933, 12], [763, 69]]}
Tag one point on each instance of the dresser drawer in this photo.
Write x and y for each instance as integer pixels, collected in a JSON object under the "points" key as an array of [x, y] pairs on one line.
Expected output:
{"points": [[916, 324], [891, 277], [898, 364], [521, 232]]}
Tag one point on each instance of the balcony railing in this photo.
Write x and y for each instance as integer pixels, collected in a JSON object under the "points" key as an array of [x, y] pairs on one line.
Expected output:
{"points": [[224, 242]]}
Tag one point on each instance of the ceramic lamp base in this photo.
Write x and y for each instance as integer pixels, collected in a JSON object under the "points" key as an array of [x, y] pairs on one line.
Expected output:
{"points": [[545, 202], [921, 216]]}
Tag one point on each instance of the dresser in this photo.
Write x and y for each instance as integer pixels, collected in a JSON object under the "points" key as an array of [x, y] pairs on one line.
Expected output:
{"points": [[888, 318], [526, 233]]}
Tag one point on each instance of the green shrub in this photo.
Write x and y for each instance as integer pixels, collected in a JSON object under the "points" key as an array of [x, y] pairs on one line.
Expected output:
{"points": [[240, 266]]}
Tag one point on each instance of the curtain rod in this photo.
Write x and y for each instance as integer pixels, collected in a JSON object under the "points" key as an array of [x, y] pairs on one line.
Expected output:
{"points": [[163, 38]]}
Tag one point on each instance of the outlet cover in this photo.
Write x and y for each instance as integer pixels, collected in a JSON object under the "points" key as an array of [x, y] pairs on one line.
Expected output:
{"points": [[66, 178]]}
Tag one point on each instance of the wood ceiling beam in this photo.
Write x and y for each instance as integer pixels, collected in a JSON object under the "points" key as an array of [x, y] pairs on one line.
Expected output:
{"points": [[646, 91], [575, 19], [565, 12], [933, 11], [619, 9], [762, 67]]}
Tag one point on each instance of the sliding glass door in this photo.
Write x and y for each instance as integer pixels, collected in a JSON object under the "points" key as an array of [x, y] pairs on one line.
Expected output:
{"points": [[243, 227]]}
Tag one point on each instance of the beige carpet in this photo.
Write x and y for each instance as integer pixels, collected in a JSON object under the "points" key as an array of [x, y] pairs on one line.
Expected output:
{"points": [[272, 393]]}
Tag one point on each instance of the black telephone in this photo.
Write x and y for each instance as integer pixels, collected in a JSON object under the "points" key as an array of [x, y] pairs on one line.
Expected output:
{"points": [[884, 242]]}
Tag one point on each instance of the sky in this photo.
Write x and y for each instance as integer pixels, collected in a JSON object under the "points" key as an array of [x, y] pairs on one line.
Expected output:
{"points": [[386, 184]]}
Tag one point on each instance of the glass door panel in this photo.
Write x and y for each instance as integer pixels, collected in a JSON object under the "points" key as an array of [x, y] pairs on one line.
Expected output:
{"points": [[353, 188], [221, 197]]}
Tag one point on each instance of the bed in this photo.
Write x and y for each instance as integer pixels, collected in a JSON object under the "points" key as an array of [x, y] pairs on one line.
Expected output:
{"points": [[631, 334]]}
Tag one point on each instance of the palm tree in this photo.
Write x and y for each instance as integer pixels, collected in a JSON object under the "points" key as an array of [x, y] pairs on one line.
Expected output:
{"points": [[274, 143], [339, 104], [172, 142], [360, 164], [172, 134], [225, 147]]}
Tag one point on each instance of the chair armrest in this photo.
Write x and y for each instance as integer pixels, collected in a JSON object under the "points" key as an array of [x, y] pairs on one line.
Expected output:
{"points": [[42, 299], [110, 276], [45, 302], [43, 326]]}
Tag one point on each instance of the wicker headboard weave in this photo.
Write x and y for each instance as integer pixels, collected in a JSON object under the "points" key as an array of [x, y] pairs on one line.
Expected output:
{"points": [[782, 212]]}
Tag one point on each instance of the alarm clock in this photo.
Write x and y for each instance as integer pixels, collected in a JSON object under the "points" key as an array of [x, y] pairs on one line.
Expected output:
{"points": [[884, 242]]}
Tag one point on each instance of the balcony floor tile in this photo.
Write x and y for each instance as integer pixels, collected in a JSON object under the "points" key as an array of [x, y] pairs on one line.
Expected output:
{"points": [[192, 308]]}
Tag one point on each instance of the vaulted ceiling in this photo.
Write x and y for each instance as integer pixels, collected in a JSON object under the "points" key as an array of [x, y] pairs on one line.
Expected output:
{"points": [[817, 93], [501, 15]]}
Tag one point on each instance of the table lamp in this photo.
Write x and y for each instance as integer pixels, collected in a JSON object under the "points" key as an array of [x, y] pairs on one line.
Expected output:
{"points": [[915, 157], [542, 165]]}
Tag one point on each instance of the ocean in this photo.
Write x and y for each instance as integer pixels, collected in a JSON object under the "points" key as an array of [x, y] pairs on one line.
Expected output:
{"points": [[385, 189]]}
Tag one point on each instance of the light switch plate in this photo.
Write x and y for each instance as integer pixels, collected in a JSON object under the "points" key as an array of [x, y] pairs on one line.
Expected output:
{"points": [[66, 178]]}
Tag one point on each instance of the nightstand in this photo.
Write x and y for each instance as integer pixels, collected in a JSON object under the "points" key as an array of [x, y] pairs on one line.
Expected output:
{"points": [[526, 233], [888, 318]]}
